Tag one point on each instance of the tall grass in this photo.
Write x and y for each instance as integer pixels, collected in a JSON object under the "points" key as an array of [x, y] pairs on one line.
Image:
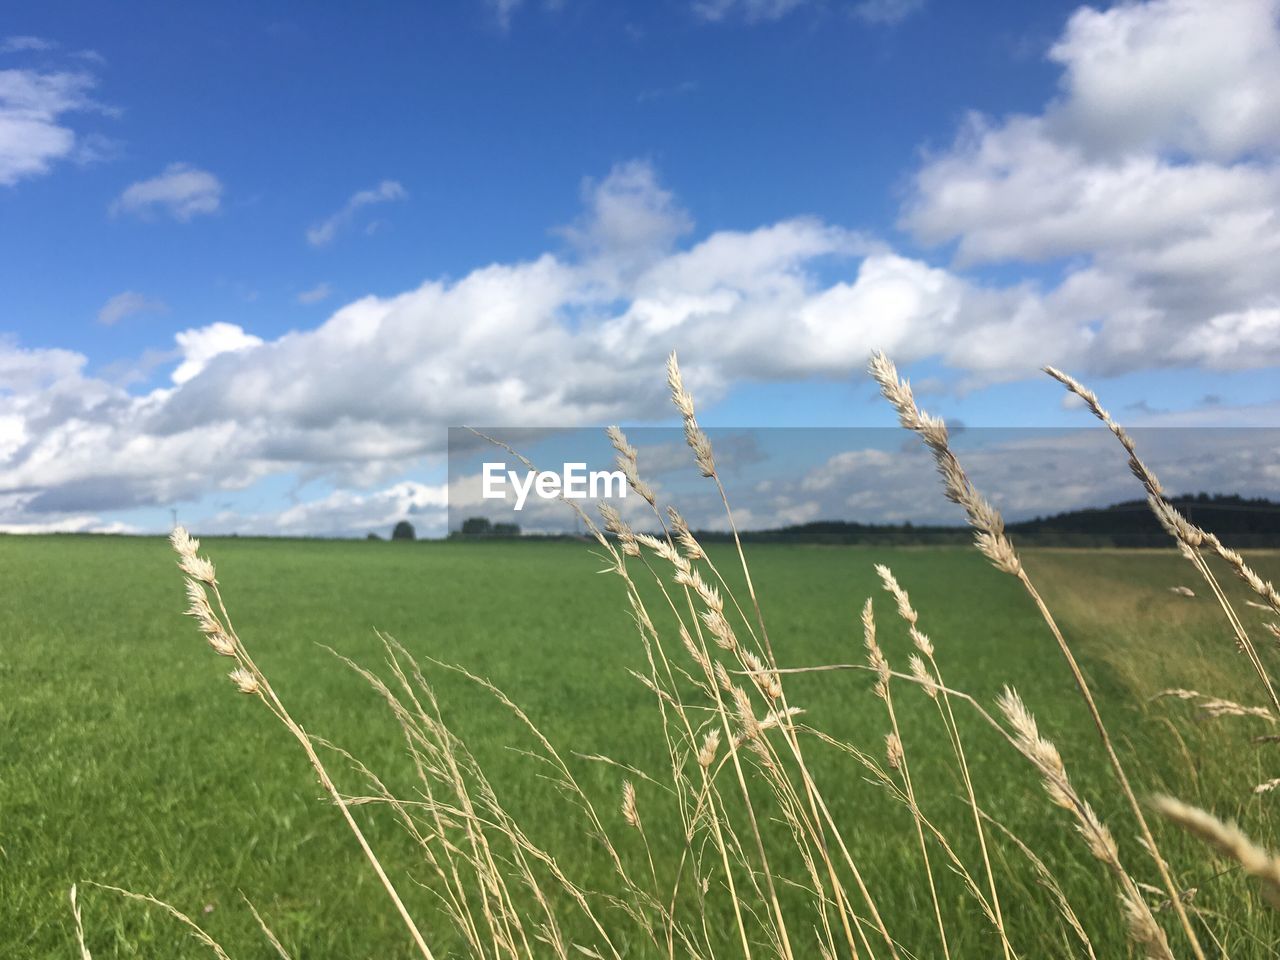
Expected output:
{"points": [[734, 846]]}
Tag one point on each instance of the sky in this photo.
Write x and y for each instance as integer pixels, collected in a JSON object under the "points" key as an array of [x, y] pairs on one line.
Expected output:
{"points": [[257, 258]]}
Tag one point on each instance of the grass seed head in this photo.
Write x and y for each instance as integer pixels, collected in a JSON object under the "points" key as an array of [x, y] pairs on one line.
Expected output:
{"points": [[875, 657], [711, 744], [893, 750], [628, 464], [185, 544], [923, 676], [630, 812], [1229, 841], [990, 537], [679, 395], [763, 677], [688, 543], [245, 681], [905, 610]]}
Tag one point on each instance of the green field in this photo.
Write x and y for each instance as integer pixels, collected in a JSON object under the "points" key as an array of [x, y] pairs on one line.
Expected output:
{"points": [[126, 758]]}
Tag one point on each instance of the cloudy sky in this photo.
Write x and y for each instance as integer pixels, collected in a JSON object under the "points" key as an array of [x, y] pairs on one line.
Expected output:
{"points": [[256, 259]]}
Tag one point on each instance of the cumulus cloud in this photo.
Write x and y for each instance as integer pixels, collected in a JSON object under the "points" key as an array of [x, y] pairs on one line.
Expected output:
{"points": [[324, 232], [34, 104], [366, 394], [1155, 174], [201, 345], [181, 191], [1191, 75], [577, 337], [630, 220], [128, 304]]}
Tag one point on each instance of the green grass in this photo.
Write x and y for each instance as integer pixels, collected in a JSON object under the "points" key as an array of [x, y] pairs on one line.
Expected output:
{"points": [[127, 758]]}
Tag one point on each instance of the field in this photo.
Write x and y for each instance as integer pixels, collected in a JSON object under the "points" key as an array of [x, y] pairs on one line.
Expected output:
{"points": [[126, 757]]}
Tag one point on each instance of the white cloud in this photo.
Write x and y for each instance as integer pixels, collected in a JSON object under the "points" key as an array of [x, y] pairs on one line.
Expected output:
{"points": [[573, 339], [33, 131], [345, 513], [82, 523], [181, 190], [320, 291], [1155, 175], [128, 304], [1201, 76], [324, 232], [202, 344], [26, 44], [630, 220]]}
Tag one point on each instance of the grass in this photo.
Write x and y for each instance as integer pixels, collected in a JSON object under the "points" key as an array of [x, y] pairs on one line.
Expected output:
{"points": [[128, 759]]}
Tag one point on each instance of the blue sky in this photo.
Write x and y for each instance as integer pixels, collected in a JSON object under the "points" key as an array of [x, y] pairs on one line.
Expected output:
{"points": [[258, 257]]}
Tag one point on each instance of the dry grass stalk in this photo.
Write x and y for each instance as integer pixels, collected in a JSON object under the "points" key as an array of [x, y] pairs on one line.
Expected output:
{"points": [[985, 519], [930, 682], [267, 932], [79, 923], [897, 756], [1216, 707], [715, 622], [250, 680], [484, 861], [629, 811], [1142, 926], [992, 542], [1190, 537], [629, 465], [196, 930], [1229, 841], [817, 823], [1046, 879]]}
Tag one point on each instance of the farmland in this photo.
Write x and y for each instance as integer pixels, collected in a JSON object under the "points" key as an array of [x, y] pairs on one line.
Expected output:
{"points": [[127, 758]]}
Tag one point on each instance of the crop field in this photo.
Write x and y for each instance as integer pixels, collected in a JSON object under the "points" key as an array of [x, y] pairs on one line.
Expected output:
{"points": [[127, 759]]}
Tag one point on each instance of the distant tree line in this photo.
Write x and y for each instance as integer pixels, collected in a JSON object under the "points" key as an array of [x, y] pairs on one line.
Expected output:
{"points": [[481, 528], [1240, 521]]}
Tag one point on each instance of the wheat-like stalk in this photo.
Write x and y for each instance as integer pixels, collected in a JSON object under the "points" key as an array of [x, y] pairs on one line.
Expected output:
{"points": [[1229, 840], [250, 680], [1190, 537], [1142, 925], [739, 785], [992, 542], [930, 681], [897, 756], [79, 923]]}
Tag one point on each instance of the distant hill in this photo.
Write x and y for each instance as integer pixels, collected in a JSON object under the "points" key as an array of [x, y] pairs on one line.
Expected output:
{"points": [[1240, 521]]}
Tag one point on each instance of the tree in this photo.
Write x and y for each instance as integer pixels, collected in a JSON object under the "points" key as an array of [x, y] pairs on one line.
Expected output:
{"points": [[506, 529], [372, 536], [403, 531], [476, 527]]}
